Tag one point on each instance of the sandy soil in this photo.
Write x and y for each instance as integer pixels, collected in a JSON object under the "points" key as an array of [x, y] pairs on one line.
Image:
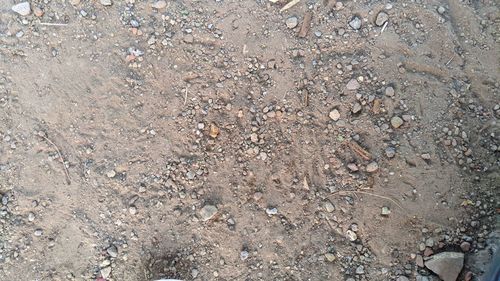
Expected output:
{"points": [[229, 140]]}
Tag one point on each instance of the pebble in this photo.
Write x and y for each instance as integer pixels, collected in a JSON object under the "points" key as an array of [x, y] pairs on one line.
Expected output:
{"points": [[23, 8], [352, 167], [106, 2], [31, 216], [353, 84], [402, 278], [396, 122], [271, 211], [389, 91], [74, 2], [194, 272], [38, 12], [330, 257], [329, 207], [159, 5], [351, 235], [382, 18], [112, 251], [244, 255], [38, 232], [446, 264], [465, 246], [372, 167], [111, 174], [292, 22], [385, 211], [355, 23], [390, 152], [132, 210], [106, 272], [441, 10], [426, 156], [208, 212], [419, 261], [334, 115], [356, 108], [360, 270], [429, 242]]}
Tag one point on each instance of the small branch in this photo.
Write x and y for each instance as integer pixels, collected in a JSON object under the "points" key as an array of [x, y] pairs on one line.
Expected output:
{"points": [[53, 24], [66, 172]]}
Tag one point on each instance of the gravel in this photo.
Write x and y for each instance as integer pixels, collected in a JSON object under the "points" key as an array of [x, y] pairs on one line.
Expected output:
{"points": [[355, 23], [292, 22]]}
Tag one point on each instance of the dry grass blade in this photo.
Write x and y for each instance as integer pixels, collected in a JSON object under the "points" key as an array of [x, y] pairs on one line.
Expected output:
{"points": [[289, 5], [359, 150], [66, 172], [355, 192]]}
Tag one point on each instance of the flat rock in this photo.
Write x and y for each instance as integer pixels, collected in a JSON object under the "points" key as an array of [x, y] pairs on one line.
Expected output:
{"points": [[372, 167], [159, 5], [447, 265], [23, 8], [112, 251], [208, 212]]}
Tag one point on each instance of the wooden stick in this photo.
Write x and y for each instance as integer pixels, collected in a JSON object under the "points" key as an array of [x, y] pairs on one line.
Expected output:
{"points": [[66, 172]]}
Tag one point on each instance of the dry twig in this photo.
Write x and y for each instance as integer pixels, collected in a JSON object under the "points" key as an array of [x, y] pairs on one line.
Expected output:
{"points": [[66, 172]]}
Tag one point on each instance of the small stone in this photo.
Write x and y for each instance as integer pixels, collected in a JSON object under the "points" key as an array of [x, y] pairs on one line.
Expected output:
{"points": [[390, 152], [208, 212], [419, 261], [372, 167], [353, 84], [389, 91], [254, 138], [385, 211], [194, 272], [468, 276], [334, 115], [132, 210], [38, 12], [426, 156], [428, 252], [106, 272], [353, 167], [23, 8], [396, 122], [356, 108], [465, 246], [446, 264], [429, 242], [292, 22], [31, 216], [360, 270], [257, 196], [329, 207], [271, 211], [111, 174], [74, 2], [112, 251], [351, 235], [159, 5], [244, 255], [441, 10], [355, 23], [382, 18], [188, 38], [330, 257], [402, 278], [106, 2], [38, 232]]}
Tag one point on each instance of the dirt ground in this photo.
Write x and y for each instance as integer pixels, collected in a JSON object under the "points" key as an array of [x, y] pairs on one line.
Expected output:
{"points": [[234, 140]]}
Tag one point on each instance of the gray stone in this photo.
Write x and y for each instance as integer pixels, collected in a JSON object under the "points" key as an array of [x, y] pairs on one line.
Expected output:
{"points": [[382, 18], [106, 2], [389, 91], [292, 22], [402, 278], [385, 211], [208, 212], [351, 235], [355, 23], [23, 8], [159, 5], [271, 211], [353, 84], [447, 265], [441, 10], [396, 122], [390, 152], [112, 251], [360, 270], [329, 207], [106, 272], [372, 167]]}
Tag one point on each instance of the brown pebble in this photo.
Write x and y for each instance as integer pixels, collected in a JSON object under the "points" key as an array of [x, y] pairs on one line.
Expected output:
{"points": [[428, 252], [465, 246], [419, 260], [38, 12], [468, 276]]}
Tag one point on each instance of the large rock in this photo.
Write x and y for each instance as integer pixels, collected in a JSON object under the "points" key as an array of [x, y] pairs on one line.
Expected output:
{"points": [[446, 264]]}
